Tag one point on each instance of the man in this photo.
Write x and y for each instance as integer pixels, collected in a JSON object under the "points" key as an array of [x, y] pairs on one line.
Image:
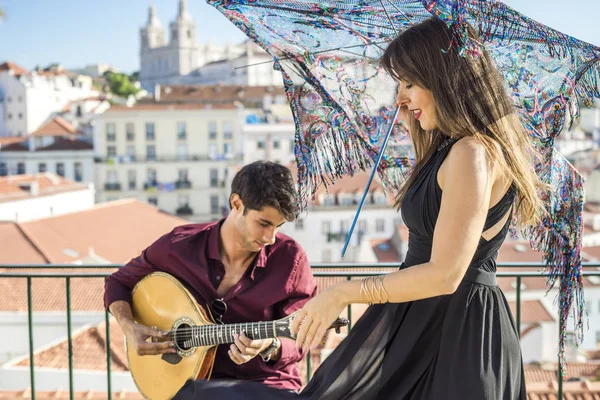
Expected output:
{"points": [[240, 268]]}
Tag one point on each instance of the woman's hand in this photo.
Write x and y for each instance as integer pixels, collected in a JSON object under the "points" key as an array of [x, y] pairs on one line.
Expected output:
{"points": [[317, 315]]}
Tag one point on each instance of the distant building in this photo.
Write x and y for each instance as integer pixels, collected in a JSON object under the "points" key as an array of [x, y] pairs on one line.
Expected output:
{"points": [[182, 61], [55, 147], [28, 99]]}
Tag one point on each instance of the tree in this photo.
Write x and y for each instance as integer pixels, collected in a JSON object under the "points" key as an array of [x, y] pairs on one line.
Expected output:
{"points": [[120, 84]]}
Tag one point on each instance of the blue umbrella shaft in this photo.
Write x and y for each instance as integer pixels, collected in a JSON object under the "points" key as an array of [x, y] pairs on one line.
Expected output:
{"points": [[381, 151]]}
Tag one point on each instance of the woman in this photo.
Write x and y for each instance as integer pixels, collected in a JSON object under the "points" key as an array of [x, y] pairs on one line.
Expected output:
{"points": [[444, 329]]}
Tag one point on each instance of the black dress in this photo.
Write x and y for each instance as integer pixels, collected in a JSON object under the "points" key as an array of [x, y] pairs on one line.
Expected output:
{"points": [[461, 346]]}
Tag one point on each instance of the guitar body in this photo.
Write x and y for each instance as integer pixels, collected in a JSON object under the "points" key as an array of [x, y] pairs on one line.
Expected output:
{"points": [[162, 302], [159, 300]]}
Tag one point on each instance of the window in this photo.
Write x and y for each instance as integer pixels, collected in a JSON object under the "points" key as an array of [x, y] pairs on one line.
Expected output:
{"points": [[214, 204], [60, 169], [150, 131], [21, 168], [78, 171], [79, 111], [212, 130], [329, 200], [181, 131], [182, 153], [227, 130], [110, 132], [151, 152], [326, 227], [131, 179], [362, 226], [153, 200], [111, 151], [228, 150], [184, 200], [182, 175], [3, 170], [20, 115], [276, 142], [214, 177], [345, 226], [129, 128], [9, 116], [212, 151], [260, 143], [299, 224], [42, 167], [347, 200], [131, 152], [111, 177], [151, 176], [380, 225]]}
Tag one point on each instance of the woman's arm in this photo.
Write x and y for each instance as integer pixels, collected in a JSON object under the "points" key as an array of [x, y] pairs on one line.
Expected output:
{"points": [[467, 186]]}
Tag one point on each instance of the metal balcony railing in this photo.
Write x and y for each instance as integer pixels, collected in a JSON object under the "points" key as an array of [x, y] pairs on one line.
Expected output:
{"points": [[319, 271]]}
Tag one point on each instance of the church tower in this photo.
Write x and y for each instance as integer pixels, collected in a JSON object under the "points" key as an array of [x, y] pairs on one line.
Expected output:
{"points": [[183, 41], [152, 35]]}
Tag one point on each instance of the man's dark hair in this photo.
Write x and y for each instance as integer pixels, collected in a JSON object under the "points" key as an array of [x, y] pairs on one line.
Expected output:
{"points": [[266, 184]]}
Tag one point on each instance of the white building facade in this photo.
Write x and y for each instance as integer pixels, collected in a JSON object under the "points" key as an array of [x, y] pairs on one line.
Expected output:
{"points": [[176, 157], [28, 99]]}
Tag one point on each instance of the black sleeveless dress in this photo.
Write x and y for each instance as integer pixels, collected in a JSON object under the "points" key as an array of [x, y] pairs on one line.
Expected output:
{"points": [[461, 346]]}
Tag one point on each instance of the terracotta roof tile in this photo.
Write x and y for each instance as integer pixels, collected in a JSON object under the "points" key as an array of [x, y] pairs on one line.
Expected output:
{"points": [[532, 311], [89, 350], [216, 93], [131, 225], [5, 141], [22, 250], [17, 187], [16, 69], [56, 127], [385, 251], [67, 144], [15, 146], [172, 107]]}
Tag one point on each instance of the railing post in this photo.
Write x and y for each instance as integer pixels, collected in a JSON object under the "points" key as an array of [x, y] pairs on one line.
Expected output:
{"points": [[30, 319], [69, 341], [108, 353], [519, 306], [349, 278]]}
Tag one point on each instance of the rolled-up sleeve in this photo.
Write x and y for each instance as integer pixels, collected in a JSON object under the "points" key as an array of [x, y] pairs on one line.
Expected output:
{"points": [[303, 289], [118, 286]]}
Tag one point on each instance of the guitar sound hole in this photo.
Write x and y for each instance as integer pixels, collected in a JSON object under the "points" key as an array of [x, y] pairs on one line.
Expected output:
{"points": [[182, 335]]}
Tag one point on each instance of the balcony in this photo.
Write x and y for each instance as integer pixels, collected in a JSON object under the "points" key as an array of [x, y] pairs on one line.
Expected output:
{"points": [[183, 185], [150, 185], [326, 273], [184, 210], [112, 186], [130, 159]]}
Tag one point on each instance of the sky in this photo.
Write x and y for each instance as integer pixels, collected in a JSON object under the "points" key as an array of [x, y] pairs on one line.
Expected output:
{"points": [[76, 33]]}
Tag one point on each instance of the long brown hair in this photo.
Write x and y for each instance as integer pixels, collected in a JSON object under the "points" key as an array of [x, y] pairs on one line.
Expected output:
{"points": [[471, 100]]}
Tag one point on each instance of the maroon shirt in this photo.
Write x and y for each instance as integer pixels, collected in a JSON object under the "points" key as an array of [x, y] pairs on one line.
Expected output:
{"points": [[278, 282]]}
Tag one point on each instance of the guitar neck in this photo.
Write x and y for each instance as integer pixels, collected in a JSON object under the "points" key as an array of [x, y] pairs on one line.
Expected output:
{"points": [[210, 335]]}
